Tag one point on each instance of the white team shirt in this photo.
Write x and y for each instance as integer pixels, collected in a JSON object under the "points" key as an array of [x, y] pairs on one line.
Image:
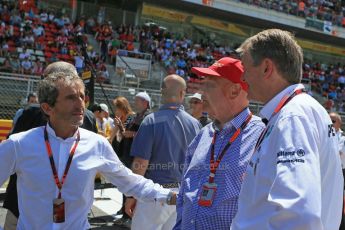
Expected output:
{"points": [[294, 180], [25, 154]]}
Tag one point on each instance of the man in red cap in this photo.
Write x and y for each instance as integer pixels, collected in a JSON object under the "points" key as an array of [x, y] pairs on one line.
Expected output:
{"points": [[217, 158]]}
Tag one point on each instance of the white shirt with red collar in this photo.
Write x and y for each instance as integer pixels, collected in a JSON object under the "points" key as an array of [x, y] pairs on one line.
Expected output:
{"points": [[294, 179]]}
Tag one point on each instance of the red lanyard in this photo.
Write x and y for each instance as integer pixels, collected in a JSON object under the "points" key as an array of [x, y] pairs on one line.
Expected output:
{"points": [[281, 104], [214, 165], [52, 164]]}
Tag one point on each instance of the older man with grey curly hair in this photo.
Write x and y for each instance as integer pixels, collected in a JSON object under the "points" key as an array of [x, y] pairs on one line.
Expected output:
{"points": [[56, 163]]}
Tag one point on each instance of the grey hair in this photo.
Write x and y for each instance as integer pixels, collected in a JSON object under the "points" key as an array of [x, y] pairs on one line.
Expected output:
{"points": [[281, 47], [60, 66], [48, 89]]}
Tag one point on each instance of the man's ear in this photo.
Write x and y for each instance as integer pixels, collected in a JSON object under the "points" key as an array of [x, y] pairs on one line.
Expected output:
{"points": [[46, 108], [267, 67], [235, 90]]}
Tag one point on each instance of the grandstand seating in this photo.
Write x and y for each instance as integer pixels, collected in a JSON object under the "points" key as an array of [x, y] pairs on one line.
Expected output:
{"points": [[331, 10], [176, 53]]}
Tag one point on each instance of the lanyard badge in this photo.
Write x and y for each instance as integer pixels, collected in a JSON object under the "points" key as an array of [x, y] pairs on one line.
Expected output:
{"points": [[280, 105], [59, 210], [207, 194], [209, 189], [267, 131], [59, 203]]}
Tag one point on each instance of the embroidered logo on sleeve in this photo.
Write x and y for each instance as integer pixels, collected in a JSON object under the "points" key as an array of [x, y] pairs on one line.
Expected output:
{"points": [[294, 156], [331, 131]]}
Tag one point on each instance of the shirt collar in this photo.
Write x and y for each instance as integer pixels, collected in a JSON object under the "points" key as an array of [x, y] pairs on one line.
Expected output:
{"points": [[52, 133], [236, 122], [172, 106], [268, 109]]}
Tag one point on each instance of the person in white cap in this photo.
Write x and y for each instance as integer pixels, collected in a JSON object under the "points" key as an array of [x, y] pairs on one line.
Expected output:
{"points": [[142, 101], [108, 122], [197, 109]]}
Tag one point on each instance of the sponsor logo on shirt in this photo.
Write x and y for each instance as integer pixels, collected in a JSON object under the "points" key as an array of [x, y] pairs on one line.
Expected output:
{"points": [[294, 156]]}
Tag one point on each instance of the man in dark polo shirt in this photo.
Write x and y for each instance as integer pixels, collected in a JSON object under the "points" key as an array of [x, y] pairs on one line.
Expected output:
{"points": [[159, 153]]}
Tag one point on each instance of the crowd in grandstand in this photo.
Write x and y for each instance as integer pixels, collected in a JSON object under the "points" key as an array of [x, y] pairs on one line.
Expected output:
{"points": [[329, 81], [31, 38], [332, 10]]}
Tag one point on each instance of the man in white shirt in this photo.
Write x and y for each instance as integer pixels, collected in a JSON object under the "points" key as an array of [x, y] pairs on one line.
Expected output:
{"points": [[294, 178], [52, 195]]}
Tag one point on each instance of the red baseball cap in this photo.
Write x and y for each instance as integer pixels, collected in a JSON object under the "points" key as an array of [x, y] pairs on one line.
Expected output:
{"points": [[228, 68]]}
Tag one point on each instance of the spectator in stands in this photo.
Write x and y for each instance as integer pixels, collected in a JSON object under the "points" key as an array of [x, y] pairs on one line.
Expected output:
{"points": [[341, 80], [29, 40], [38, 30], [162, 140], [16, 20], [44, 16], [4, 49], [26, 66], [24, 55], [59, 22], [79, 62], [112, 55], [38, 68], [90, 25], [51, 16], [103, 74], [104, 50], [6, 65], [15, 64]]}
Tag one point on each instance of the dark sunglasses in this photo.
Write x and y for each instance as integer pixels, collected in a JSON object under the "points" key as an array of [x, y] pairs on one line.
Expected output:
{"points": [[194, 102]]}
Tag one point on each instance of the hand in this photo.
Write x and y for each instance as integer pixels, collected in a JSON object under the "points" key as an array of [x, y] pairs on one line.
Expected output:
{"points": [[128, 134], [119, 124], [130, 206], [173, 199]]}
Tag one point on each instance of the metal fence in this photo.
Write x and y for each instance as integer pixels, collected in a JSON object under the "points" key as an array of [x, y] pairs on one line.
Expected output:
{"points": [[14, 89]]}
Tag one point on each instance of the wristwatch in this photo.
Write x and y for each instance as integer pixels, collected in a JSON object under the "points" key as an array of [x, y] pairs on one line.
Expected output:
{"points": [[170, 198]]}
